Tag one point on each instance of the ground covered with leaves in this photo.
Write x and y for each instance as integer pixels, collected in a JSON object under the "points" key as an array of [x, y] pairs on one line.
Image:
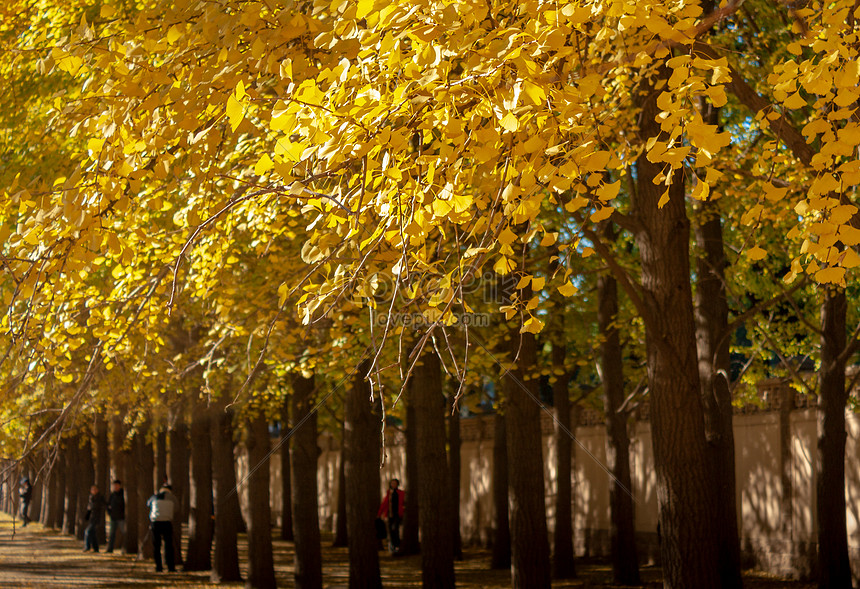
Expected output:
{"points": [[39, 557]]}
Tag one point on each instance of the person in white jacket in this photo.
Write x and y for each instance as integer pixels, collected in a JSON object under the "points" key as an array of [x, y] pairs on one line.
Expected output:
{"points": [[161, 508]]}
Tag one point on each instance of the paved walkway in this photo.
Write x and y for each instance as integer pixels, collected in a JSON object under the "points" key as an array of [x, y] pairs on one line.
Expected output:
{"points": [[42, 558]]}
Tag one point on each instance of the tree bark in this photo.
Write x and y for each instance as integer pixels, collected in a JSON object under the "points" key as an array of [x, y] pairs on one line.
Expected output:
{"points": [[261, 565], [56, 519], [178, 469], [198, 554], [685, 493], [530, 562], [712, 344], [225, 566], [410, 543], [834, 569], [341, 536], [563, 566], [87, 474], [286, 476], [437, 551], [48, 513], [161, 456], [501, 556], [70, 457], [145, 466], [305, 498], [622, 530], [454, 469], [102, 467], [361, 470], [130, 482]]}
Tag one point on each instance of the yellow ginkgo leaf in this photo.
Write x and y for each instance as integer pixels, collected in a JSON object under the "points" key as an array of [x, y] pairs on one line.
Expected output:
{"points": [[504, 266], [532, 325], [235, 112], [756, 253], [567, 289], [264, 165], [834, 274], [510, 122]]}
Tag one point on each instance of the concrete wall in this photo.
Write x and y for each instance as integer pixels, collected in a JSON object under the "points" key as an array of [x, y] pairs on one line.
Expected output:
{"points": [[775, 537]]}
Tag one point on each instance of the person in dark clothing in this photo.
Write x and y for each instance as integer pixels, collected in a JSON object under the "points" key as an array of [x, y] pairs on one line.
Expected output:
{"points": [[95, 513], [161, 508], [391, 510], [25, 492], [116, 511]]}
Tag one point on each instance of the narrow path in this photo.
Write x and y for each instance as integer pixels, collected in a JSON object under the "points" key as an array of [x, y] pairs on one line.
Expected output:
{"points": [[36, 557]]}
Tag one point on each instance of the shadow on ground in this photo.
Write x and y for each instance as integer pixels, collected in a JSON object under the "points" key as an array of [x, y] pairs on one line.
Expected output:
{"points": [[42, 558]]}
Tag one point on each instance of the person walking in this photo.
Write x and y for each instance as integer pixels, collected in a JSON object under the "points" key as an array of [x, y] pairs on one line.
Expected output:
{"points": [[95, 513], [25, 492], [161, 508], [391, 510], [116, 512]]}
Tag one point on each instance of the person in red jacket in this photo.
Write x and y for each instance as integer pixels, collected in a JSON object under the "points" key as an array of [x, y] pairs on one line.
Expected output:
{"points": [[391, 510]]}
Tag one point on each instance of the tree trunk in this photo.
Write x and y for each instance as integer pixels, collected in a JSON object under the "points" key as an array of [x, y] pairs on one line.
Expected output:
{"points": [[563, 566], [685, 494], [712, 339], [361, 470], [341, 536], [161, 457], [261, 565], [305, 498], [501, 557], [58, 493], [437, 551], [47, 513], [530, 562], [178, 469], [133, 507], [40, 488], [145, 488], [622, 529], [198, 554], [834, 570], [73, 476], [286, 477], [225, 566], [102, 468], [454, 468], [410, 541], [87, 474]]}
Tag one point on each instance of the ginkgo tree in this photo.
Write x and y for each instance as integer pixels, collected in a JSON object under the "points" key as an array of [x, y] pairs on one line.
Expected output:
{"points": [[424, 139]]}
